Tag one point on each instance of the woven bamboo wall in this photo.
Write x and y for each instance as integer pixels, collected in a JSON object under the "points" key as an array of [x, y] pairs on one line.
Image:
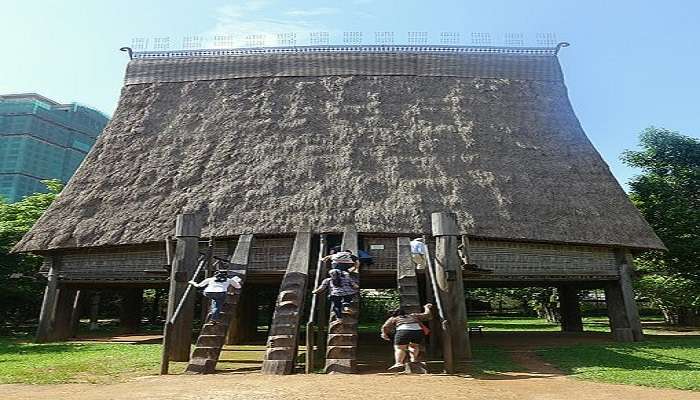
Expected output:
{"points": [[508, 260]]}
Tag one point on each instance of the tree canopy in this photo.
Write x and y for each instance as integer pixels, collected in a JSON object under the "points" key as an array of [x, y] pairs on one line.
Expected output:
{"points": [[20, 292], [668, 195]]}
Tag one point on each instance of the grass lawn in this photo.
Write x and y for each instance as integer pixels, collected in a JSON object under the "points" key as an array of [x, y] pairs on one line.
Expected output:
{"points": [[657, 362], [76, 362], [491, 360], [498, 323]]}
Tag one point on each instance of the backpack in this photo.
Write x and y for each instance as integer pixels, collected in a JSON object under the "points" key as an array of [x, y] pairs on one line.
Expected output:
{"points": [[342, 257]]}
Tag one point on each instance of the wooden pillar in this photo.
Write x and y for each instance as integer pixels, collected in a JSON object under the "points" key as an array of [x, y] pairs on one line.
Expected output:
{"points": [[187, 231], [570, 308], [48, 305], [94, 310], [154, 312], [449, 281], [243, 326], [75, 313], [619, 323], [131, 309], [249, 331], [63, 314], [622, 308], [625, 258]]}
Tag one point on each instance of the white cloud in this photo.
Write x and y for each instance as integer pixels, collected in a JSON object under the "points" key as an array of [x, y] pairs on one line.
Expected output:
{"points": [[312, 12], [258, 22]]}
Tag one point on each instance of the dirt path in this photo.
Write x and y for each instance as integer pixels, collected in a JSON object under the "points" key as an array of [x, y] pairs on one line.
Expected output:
{"points": [[515, 386], [541, 382]]}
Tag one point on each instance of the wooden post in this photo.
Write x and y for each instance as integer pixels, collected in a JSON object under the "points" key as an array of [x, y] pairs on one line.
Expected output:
{"points": [[570, 309], [131, 309], [249, 330], [155, 307], [619, 323], [283, 341], [626, 265], [94, 310], [75, 313], [240, 258], [622, 308], [63, 313], [187, 231], [449, 279], [48, 305]]}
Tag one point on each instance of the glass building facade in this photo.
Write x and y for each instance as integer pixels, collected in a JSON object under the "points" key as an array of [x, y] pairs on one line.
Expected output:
{"points": [[42, 139]]}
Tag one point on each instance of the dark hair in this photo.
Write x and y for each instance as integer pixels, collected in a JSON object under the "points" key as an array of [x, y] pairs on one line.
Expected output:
{"points": [[221, 275], [348, 251], [399, 312], [335, 275]]}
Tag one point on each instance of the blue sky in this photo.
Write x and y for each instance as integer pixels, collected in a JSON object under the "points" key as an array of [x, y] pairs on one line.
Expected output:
{"points": [[632, 64]]}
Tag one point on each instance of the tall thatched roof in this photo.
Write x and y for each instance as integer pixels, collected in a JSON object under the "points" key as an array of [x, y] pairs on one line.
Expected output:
{"points": [[265, 142]]}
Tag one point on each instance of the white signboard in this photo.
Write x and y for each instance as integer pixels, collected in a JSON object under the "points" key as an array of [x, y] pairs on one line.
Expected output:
{"points": [[376, 247]]}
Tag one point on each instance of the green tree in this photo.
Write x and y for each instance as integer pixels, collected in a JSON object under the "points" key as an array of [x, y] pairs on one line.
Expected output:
{"points": [[668, 195], [20, 290]]}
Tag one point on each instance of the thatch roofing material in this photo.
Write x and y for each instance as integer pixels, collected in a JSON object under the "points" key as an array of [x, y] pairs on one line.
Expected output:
{"points": [[506, 66], [268, 154]]}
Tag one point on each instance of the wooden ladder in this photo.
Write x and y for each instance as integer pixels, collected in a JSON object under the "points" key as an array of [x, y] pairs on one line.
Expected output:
{"points": [[213, 336], [283, 340], [407, 283], [406, 278], [341, 349]]}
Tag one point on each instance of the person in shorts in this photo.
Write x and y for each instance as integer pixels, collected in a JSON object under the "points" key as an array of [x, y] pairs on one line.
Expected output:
{"points": [[408, 334]]}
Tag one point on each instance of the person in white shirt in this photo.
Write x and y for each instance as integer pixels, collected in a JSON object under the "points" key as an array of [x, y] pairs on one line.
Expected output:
{"points": [[418, 253], [216, 289]]}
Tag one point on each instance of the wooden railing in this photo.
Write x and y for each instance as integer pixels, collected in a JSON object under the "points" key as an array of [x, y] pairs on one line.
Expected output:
{"points": [[203, 261], [312, 324], [447, 353]]}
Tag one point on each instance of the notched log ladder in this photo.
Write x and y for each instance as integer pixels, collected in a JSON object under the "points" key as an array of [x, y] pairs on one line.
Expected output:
{"points": [[407, 283], [280, 356], [213, 336], [341, 349]]}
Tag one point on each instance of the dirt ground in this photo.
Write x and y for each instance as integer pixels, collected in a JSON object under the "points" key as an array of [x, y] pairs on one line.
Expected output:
{"points": [[515, 386], [540, 382]]}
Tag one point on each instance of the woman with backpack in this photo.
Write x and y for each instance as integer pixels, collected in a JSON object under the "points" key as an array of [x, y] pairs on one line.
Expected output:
{"points": [[408, 331], [343, 260], [342, 290]]}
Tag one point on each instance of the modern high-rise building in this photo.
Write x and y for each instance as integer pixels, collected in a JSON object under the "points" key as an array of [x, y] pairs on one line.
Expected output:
{"points": [[42, 139]]}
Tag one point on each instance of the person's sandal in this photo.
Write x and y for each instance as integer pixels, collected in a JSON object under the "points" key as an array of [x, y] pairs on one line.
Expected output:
{"points": [[396, 367]]}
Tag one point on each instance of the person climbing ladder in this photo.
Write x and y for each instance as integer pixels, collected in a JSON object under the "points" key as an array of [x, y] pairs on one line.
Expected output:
{"points": [[408, 334], [216, 289], [342, 290]]}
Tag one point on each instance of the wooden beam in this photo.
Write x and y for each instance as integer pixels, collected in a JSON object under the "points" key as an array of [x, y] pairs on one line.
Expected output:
{"points": [[350, 239], [282, 344], [187, 231], [62, 322], [626, 265], [94, 310], [239, 259], [622, 308], [570, 307], [406, 279], [48, 305], [76, 311], [619, 323], [130, 310], [449, 281]]}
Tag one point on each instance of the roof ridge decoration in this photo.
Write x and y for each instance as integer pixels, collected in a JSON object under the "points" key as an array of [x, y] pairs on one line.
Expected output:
{"points": [[528, 51]]}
